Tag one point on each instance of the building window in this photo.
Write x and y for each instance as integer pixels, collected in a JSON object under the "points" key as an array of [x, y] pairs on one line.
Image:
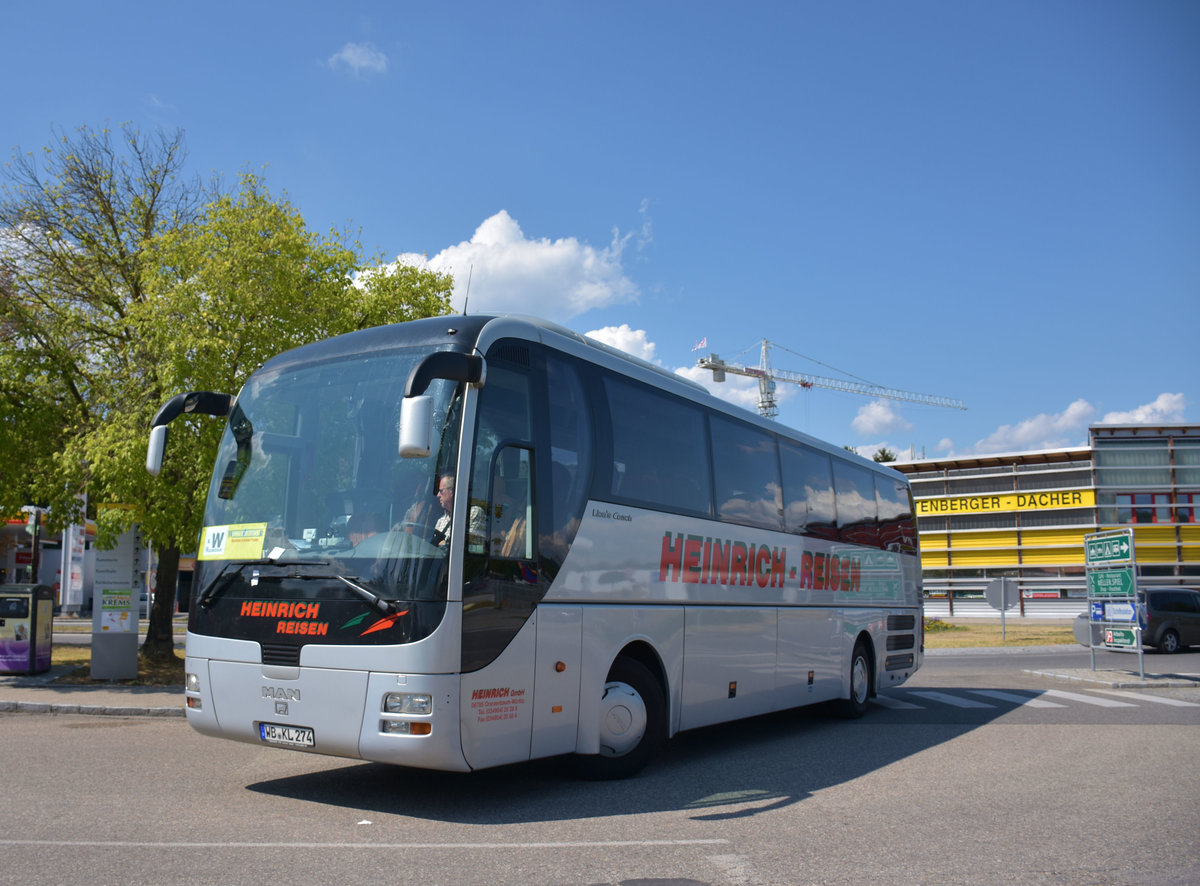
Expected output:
{"points": [[1188, 505], [1143, 507]]}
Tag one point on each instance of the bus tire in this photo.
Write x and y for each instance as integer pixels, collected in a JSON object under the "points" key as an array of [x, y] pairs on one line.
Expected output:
{"points": [[860, 683], [633, 723]]}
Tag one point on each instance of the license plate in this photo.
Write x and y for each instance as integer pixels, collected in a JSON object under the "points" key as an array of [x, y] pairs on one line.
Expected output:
{"points": [[289, 736]]}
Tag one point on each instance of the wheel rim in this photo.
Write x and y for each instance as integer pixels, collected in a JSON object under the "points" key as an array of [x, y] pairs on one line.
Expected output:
{"points": [[1170, 642], [860, 682], [622, 720]]}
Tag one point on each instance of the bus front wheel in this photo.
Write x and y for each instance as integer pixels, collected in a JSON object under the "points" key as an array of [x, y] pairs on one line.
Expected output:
{"points": [[633, 723], [860, 683]]}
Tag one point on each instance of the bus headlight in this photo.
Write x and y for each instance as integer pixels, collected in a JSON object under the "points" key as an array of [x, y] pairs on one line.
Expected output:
{"points": [[192, 682], [418, 703]]}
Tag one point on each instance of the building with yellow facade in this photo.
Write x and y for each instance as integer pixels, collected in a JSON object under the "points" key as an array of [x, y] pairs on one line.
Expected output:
{"points": [[1024, 515]]}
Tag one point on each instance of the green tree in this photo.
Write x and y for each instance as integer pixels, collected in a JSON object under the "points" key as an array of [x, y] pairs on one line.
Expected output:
{"points": [[883, 455], [75, 221], [183, 295]]}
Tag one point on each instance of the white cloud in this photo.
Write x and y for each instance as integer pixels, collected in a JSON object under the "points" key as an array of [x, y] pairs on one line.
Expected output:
{"points": [[1165, 408], [1069, 427], [359, 57], [879, 417], [1066, 428], [556, 279], [631, 341]]}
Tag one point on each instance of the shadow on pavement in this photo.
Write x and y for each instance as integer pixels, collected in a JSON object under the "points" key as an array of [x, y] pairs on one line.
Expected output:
{"points": [[734, 770]]}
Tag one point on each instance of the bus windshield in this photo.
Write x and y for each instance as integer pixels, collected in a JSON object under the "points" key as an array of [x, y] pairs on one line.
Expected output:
{"points": [[310, 498]]}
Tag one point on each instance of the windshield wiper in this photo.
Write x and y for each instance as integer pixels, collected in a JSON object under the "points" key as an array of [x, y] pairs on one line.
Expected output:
{"points": [[297, 570], [387, 607], [224, 579]]}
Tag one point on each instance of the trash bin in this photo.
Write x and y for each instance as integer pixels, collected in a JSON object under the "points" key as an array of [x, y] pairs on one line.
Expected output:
{"points": [[26, 628]]}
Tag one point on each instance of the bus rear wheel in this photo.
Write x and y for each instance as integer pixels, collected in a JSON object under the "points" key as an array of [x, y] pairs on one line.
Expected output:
{"points": [[633, 723], [860, 683]]}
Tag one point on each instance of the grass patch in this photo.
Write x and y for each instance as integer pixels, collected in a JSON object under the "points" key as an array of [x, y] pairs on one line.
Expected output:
{"points": [[150, 673], [944, 635]]}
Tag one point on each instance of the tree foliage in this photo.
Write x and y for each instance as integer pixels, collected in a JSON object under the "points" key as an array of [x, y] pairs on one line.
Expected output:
{"points": [[123, 285]]}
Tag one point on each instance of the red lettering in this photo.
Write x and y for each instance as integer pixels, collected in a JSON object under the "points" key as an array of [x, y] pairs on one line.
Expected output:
{"points": [[762, 566], [835, 572], [737, 566], [672, 556], [247, 607], [806, 570], [778, 567], [692, 549], [819, 572], [719, 566]]}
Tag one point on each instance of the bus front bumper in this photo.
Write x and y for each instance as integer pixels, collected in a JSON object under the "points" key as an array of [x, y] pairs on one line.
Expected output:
{"points": [[403, 719]]}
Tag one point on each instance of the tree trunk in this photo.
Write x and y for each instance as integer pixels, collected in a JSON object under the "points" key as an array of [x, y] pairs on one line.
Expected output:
{"points": [[160, 639]]}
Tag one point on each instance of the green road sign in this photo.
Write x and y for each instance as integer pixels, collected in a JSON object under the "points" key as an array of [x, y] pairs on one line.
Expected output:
{"points": [[1119, 637], [1104, 550], [1111, 583]]}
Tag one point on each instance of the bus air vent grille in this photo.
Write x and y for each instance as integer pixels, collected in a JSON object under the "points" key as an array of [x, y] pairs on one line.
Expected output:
{"points": [[901, 622], [282, 654], [894, 641], [516, 354]]}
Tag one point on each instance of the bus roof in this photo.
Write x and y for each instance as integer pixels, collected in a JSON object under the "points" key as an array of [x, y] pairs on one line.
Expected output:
{"points": [[464, 333]]}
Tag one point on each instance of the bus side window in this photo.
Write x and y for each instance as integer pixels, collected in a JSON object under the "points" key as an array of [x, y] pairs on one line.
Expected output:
{"points": [[807, 491], [746, 475], [662, 443], [570, 422], [896, 530], [511, 509], [856, 508]]}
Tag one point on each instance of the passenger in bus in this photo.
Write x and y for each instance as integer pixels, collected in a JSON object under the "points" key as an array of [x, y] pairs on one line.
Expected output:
{"points": [[441, 529]]}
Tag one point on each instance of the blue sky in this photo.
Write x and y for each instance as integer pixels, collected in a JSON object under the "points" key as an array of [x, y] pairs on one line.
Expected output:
{"points": [[994, 202]]}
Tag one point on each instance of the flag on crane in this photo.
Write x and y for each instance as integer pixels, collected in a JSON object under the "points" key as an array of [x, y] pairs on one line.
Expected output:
{"points": [[703, 343]]}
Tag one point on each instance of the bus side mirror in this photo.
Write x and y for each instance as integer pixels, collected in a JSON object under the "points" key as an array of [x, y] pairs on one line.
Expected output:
{"points": [[416, 426], [154, 453]]}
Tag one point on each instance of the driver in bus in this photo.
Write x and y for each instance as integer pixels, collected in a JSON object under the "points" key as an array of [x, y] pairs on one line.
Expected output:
{"points": [[441, 529]]}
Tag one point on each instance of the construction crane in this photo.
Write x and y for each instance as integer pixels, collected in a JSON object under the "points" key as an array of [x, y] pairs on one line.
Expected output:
{"points": [[767, 377]]}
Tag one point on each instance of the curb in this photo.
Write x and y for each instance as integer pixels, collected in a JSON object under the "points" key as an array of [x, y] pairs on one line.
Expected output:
{"points": [[1121, 681], [44, 707]]}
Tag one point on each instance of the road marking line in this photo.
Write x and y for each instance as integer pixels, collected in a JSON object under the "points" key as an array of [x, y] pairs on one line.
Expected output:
{"points": [[1090, 699], [946, 698], [1154, 698], [896, 704], [1028, 701], [149, 844]]}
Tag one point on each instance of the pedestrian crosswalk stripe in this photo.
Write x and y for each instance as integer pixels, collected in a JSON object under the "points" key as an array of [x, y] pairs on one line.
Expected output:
{"points": [[896, 704], [1031, 701], [953, 700], [1090, 699], [1157, 699]]}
